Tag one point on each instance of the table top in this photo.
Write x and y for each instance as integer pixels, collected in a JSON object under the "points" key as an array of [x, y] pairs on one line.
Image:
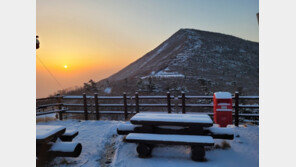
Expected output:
{"points": [[45, 133], [157, 119]]}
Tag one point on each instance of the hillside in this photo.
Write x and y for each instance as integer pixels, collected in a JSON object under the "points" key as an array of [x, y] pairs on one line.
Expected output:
{"points": [[194, 61]]}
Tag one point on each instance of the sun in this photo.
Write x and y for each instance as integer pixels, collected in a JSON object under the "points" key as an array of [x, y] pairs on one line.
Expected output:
{"points": [[65, 66]]}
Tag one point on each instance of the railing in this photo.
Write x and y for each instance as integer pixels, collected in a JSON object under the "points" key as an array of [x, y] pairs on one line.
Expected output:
{"points": [[134, 105]]}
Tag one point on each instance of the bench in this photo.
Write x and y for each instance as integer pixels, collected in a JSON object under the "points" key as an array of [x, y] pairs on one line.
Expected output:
{"points": [[214, 131], [146, 142], [69, 135], [65, 149]]}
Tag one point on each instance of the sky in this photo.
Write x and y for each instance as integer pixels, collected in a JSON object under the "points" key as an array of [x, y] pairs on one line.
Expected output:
{"points": [[97, 38]]}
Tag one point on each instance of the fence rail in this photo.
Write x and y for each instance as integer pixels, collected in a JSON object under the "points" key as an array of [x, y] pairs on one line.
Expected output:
{"points": [[131, 104]]}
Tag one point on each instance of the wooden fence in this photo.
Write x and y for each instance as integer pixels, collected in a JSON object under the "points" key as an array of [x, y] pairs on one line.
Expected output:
{"points": [[60, 107]]}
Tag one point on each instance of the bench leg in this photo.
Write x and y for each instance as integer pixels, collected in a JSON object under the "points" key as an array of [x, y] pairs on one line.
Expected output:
{"points": [[198, 153], [144, 150]]}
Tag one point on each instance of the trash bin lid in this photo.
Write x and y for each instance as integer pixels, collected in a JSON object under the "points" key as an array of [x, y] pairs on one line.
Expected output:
{"points": [[223, 95]]}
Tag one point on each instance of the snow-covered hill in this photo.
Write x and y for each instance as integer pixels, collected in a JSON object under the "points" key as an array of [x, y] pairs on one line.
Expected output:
{"points": [[193, 61]]}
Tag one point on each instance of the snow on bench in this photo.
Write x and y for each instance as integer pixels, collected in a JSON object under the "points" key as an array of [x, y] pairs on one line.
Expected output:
{"points": [[66, 149], [126, 128], [70, 132], [170, 139], [220, 131], [172, 119], [46, 132]]}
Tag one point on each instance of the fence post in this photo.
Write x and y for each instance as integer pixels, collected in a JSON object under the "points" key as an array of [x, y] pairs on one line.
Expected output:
{"points": [[236, 107], [183, 103], [97, 106], [85, 107], [59, 99], [169, 102], [137, 102], [125, 106]]}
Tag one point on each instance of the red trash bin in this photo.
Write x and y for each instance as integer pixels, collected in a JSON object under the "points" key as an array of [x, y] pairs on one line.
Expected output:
{"points": [[222, 108]]}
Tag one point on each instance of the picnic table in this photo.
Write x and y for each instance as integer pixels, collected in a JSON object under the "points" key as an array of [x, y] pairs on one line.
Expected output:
{"points": [[46, 133], [48, 147], [195, 130]]}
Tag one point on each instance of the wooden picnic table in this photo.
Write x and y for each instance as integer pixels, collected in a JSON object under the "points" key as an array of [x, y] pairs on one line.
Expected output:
{"points": [[46, 133], [47, 147], [150, 129]]}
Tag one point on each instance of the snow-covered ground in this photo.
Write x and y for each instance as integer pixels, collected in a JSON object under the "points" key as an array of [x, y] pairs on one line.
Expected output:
{"points": [[95, 135], [244, 151]]}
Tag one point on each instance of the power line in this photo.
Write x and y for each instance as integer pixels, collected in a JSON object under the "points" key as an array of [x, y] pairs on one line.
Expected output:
{"points": [[49, 71]]}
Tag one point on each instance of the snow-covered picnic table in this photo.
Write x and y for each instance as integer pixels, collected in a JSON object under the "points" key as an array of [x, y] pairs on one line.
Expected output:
{"points": [[195, 130], [47, 147], [45, 133]]}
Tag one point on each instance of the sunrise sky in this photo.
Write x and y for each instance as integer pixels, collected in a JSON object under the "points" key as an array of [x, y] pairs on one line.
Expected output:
{"points": [[92, 39]]}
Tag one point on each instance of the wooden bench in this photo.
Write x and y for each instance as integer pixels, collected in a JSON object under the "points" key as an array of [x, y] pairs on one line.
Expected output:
{"points": [[65, 149], [215, 132], [146, 142]]}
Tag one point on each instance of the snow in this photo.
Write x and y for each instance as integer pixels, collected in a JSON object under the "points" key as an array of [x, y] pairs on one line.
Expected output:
{"points": [[171, 137], [244, 152], [220, 131], [194, 118], [165, 73], [64, 146], [70, 132], [223, 95], [127, 127], [154, 55], [44, 131], [93, 136], [161, 48], [108, 90], [191, 45]]}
